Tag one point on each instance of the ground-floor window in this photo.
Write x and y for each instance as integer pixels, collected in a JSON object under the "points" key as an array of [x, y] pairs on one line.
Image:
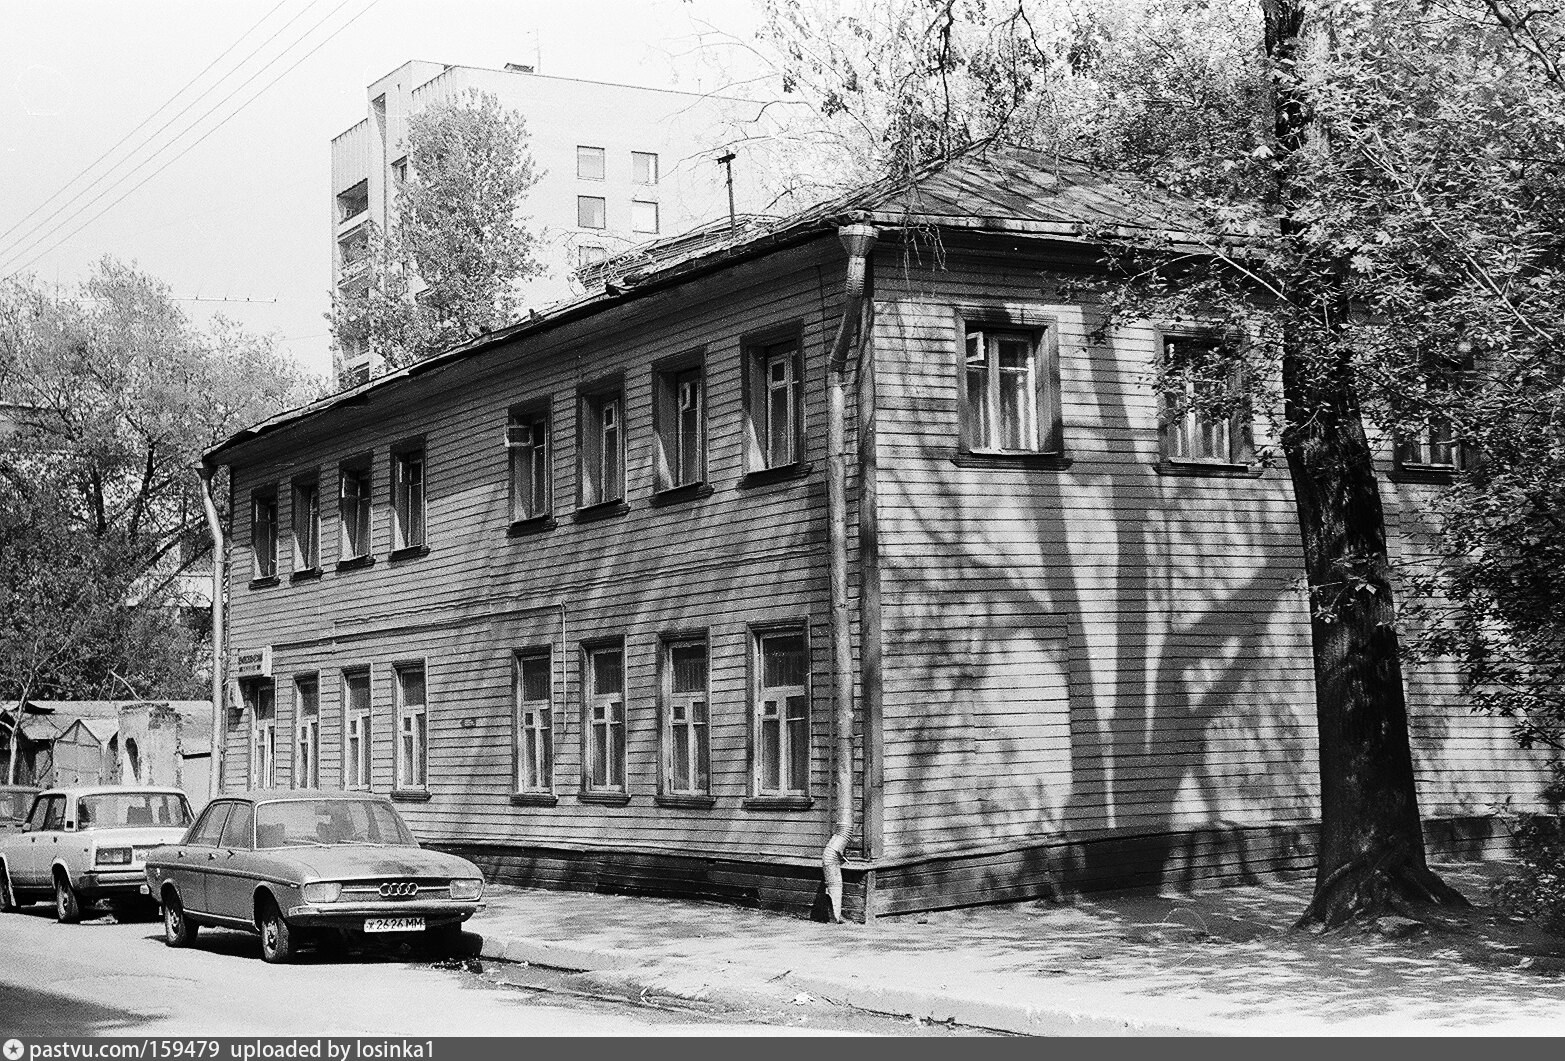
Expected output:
{"points": [[533, 723], [307, 732], [412, 728], [263, 735], [782, 713], [605, 722], [356, 729], [686, 744]]}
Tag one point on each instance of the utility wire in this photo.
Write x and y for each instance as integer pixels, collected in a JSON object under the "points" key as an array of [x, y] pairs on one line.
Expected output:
{"points": [[139, 126], [229, 117]]}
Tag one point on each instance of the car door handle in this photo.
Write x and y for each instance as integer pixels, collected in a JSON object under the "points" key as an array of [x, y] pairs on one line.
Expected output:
{"points": [[212, 856], [179, 854]]}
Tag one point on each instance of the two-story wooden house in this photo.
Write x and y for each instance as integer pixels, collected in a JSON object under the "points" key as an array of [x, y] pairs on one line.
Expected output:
{"points": [[567, 590]]}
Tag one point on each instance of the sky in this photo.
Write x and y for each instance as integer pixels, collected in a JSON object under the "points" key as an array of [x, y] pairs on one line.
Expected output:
{"points": [[229, 202]]}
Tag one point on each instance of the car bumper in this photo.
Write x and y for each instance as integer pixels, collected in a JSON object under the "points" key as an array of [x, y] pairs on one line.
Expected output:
{"points": [[353, 915], [98, 883]]}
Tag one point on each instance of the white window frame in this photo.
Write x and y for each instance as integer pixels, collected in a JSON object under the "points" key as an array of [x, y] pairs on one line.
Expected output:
{"points": [[603, 206], [601, 154], [412, 730], [770, 707], [410, 513], [528, 449], [263, 734], [532, 726], [307, 733], [686, 713], [1190, 437], [360, 500], [639, 210], [358, 750], [306, 519], [602, 457], [603, 725], [651, 168]]}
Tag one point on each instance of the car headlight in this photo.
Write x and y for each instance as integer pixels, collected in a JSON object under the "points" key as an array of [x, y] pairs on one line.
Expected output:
{"points": [[467, 888], [322, 892], [113, 856]]}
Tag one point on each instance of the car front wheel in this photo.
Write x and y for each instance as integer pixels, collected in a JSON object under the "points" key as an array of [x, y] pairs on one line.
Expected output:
{"points": [[67, 907], [276, 937], [8, 901], [178, 930]]}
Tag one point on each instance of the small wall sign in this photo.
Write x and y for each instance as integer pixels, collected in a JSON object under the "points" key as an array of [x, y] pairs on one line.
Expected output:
{"points": [[254, 663]]}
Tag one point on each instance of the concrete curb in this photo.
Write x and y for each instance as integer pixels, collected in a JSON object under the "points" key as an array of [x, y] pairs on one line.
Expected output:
{"points": [[632, 977]]}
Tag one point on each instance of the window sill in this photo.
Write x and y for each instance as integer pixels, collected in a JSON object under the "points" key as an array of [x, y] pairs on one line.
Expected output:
{"points": [[680, 494], [1431, 475], [410, 795], [1213, 470], [531, 525], [353, 563], [778, 803], [265, 582], [534, 799], [307, 574], [408, 553], [607, 799], [969, 459], [688, 802], [602, 510], [781, 474]]}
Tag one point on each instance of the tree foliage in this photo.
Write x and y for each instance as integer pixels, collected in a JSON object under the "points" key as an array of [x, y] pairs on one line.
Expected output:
{"points": [[446, 268]]}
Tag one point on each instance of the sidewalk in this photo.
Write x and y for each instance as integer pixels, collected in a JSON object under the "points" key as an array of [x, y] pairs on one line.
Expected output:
{"points": [[1217, 962]]}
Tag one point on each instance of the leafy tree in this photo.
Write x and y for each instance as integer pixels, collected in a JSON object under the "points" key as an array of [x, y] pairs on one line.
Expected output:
{"points": [[112, 395], [445, 271], [1383, 185]]}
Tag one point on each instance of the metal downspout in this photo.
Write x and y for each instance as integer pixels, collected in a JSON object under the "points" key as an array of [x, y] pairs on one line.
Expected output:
{"points": [[858, 240], [219, 646]]}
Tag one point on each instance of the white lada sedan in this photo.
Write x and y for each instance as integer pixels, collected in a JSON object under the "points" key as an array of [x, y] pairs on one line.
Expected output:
{"points": [[89, 843]]}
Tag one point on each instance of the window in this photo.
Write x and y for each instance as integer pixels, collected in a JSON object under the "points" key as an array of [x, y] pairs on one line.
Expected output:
{"points": [[679, 412], [263, 534], [263, 735], [782, 714], [643, 216], [412, 729], [527, 448], [686, 744], [775, 405], [533, 728], [307, 732], [306, 525], [356, 729], [1010, 390], [602, 435], [605, 722], [1199, 382], [1433, 449], [590, 163], [354, 201], [354, 249], [643, 167], [407, 486], [353, 506], [1427, 447], [399, 171], [591, 212], [236, 831], [209, 826], [588, 254]]}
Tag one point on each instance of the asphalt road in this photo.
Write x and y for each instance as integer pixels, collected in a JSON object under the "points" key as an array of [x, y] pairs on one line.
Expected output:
{"points": [[106, 978]]}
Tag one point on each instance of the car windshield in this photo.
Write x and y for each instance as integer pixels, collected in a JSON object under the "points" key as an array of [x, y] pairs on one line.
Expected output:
{"points": [[329, 823], [127, 810]]}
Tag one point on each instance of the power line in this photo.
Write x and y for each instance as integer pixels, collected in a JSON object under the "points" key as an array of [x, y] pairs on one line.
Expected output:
{"points": [[139, 126], [229, 117]]}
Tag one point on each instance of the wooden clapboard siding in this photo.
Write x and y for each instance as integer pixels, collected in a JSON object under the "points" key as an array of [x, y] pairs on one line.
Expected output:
{"points": [[721, 564]]}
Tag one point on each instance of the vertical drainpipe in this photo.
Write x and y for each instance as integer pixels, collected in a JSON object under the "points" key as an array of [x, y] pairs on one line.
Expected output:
{"points": [[858, 240], [219, 646]]}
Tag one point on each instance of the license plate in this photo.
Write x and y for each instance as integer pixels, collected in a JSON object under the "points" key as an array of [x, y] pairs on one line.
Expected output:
{"points": [[394, 924]]}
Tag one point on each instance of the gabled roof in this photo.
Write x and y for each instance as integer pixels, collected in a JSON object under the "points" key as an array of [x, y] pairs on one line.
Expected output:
{"points": [[1009, 190]]}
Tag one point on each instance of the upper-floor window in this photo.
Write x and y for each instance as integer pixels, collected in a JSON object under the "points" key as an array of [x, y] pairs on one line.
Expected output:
{"points": [[602, 446], [399, 171], [1431, 447], [604, 726], [679, 414], [354, 249], [407, 508], [533, 725], [774, 404], [353, 509], [1010, 392], [644, 167], [354, 201], [589, 254], [527, 451], [589, 163], [643, 216], [1202, 419], [412, 728], [1427, 446], [591, 211], [263, 533], [306, 524]]}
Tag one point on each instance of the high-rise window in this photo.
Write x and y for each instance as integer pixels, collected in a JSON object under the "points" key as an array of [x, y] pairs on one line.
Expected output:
{"points": [[591, 211], [605, 722], [782, 714], [643, 216], [407, 484], [527, 452], [590, 163], [686, 743], [412, 729], [533, 729], [643, 167]]}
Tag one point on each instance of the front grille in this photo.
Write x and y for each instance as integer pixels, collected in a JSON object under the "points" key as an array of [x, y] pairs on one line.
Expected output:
{"points": [[396, 890]]}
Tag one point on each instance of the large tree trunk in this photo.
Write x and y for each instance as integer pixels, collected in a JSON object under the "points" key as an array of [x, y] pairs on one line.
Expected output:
{"points": [[1371, 838]]}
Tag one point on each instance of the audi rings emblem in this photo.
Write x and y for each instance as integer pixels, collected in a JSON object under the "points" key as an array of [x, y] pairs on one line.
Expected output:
{"points": [[398, 889]]}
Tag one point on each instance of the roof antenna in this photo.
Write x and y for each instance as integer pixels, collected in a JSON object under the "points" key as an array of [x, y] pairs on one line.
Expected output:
{"points": [[727, 162]]}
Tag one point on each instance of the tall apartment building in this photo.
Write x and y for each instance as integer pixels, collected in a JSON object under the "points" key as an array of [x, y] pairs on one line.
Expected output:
{"points": [[619, 165]]}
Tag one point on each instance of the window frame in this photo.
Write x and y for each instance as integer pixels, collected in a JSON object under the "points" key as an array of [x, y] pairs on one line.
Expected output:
{"points": [[1412, 458], [603, 162], [1240, 440], [652, 168], [668, 379], [531, 415], [358, 469], [783, 796], [263, 732], [591, 401], [263, 564], [758, 351], [657, 218], [608, 790], [409, 500], [543, 762], [351, 717], [1048, 420], [306, 734], [306, 560], [402, 714], [699, 740], [602, 212]]}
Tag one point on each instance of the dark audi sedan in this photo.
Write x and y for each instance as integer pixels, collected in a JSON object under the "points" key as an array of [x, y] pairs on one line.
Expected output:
{"points": [[303, 866]]}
